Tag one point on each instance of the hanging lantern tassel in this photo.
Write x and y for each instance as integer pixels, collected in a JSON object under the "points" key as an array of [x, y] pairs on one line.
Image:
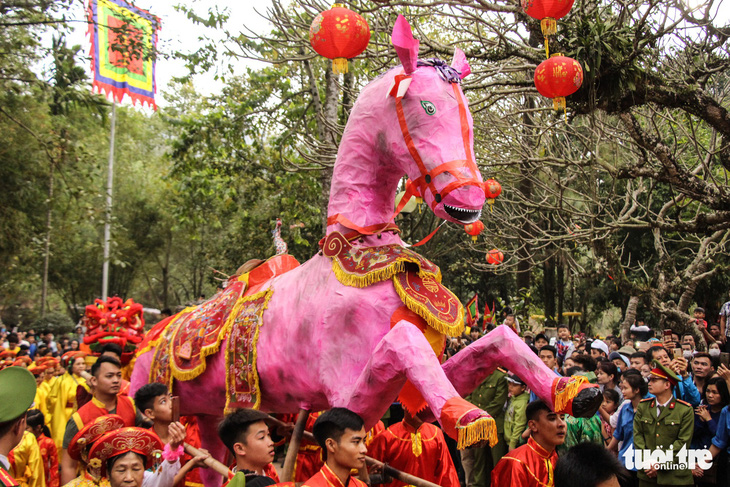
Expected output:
{"points": [[339, 65], [549, 28]]}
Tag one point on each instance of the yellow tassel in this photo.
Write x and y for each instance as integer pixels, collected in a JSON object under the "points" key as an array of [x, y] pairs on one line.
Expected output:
{"points": [[416, 445], [559, 103], [566, 395], [339, 65], [549, 26], [480, 430]]}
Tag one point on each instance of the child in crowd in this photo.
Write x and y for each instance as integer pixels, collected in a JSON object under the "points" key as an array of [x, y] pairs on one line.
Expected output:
{"points": [[154, 402], [515, 421], [564, 344], [610, 406]]}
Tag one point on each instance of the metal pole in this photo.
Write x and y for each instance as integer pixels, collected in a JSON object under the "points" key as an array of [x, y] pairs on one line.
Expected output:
{"points": [[108, 222]]}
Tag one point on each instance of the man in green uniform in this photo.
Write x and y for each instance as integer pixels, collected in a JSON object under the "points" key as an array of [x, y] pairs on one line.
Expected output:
{"points": [[17, 391], [660, 423], [490, 396]]}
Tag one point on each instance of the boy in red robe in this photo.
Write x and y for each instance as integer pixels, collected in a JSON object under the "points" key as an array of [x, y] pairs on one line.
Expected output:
{"points": [[106, 381], [416, 448], [246, 435], [532, 465], [341, 434]]}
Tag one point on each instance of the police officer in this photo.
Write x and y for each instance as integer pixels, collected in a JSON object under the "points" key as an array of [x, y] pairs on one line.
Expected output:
{"points": [[661, 422], [490, 396], [17, 391]]}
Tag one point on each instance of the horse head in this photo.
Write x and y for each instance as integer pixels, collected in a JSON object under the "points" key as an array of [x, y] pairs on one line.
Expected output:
{"points": [[413, 120], [436, 128]]}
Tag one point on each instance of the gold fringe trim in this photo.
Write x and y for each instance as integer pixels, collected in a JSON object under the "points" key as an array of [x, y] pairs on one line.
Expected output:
{"points": [[191, 374], [480, 430], [421, 310], [562, 398], [229, 362], [394, 268]]}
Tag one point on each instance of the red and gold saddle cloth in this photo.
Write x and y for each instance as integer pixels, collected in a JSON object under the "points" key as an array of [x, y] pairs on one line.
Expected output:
{"points": [[242, 378], [197, 332], [233, 315], [416, 279]]}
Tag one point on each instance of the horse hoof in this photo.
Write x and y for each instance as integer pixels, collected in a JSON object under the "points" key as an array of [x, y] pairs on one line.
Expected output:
{"points": [[587, 402]]}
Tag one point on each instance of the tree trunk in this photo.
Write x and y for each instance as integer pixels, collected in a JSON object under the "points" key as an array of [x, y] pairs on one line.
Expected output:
{"points": [[629, 317], [47, 244], [549, 288], [525, 187], [560, 285]]}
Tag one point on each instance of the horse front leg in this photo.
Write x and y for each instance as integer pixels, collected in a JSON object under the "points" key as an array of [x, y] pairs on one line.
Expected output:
{"points": [[404, 353], [502, 347]]}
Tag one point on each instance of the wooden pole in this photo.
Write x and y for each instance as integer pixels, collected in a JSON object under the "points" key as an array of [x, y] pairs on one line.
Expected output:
{"points": [[387, 469], [210, 461], [296, 438], [398, 475]]}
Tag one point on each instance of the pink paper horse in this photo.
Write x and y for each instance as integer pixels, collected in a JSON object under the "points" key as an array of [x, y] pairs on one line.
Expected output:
{"points": [[324, 344]]}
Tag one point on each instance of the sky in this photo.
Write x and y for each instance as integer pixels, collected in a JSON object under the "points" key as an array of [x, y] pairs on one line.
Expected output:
{"points": [[180, 34]]}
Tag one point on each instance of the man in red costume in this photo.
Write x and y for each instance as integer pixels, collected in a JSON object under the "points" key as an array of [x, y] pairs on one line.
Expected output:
{"points": [[416, 448], [532, 465], [341, 434], [106, 380]]}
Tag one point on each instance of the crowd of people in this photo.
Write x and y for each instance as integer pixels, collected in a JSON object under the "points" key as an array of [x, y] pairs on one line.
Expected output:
{"points": [[66, 418]]}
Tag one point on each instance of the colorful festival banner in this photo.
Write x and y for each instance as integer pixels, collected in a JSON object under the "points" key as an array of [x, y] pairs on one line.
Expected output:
{"points": [[123, 47], [472, 311]]}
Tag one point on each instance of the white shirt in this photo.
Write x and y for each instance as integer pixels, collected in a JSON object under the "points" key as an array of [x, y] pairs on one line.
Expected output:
{"points": [[662, 406], [163, 476], [5, 462]]}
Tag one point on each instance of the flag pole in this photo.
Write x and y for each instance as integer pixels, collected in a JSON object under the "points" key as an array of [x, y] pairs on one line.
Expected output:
{"points": [[108, 220]]}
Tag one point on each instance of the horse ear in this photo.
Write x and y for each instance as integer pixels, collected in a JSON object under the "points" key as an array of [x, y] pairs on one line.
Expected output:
{"points": [[460, 63], [405, 45]]}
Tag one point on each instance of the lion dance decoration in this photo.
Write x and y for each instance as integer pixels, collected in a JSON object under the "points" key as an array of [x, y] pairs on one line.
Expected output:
{"points": [[114, 321]]}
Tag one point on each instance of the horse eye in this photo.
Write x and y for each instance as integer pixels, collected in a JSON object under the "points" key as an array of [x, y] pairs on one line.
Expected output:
{"points": [[428, 107]]}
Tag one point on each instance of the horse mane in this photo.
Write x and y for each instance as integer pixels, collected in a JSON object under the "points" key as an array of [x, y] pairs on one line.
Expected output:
{"points": [[446, 72]]}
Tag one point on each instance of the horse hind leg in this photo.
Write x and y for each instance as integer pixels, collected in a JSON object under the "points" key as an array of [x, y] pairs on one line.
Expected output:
{"points": [[502, 347], [404, 353]]}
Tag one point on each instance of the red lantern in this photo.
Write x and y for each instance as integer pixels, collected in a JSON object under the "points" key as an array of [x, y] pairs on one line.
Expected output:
{"points": [[339, 34], [474, 229], [557, 78], [495, 257], [492, 189], [547, 12]]}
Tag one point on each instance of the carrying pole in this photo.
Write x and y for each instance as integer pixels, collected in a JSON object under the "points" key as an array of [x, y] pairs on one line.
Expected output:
{"points": [[108, 219]]}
